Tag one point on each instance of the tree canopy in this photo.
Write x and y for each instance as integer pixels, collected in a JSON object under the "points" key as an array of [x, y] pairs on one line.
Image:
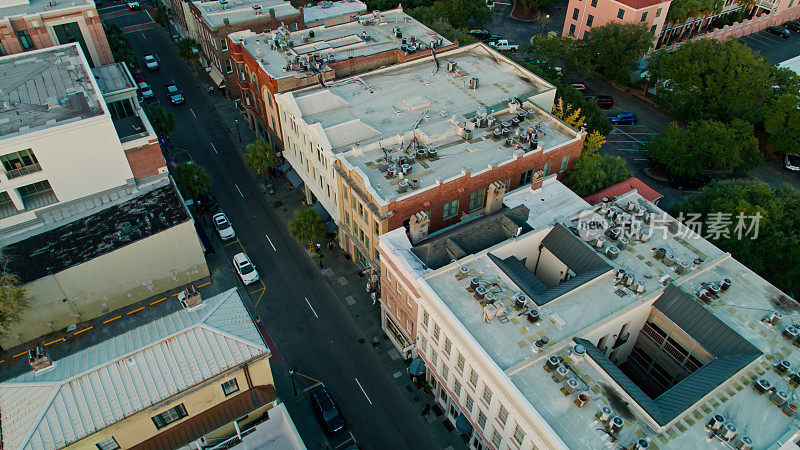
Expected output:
{"points": [[192, 180], [709, 79], [121, 48], [782, 118], [615, 48], [188, 50], [259, 156], [705, 145], [13, 301], [592, 171], [306, 226], [549, 50], [775, 253], [681, 10], [163, 121]]}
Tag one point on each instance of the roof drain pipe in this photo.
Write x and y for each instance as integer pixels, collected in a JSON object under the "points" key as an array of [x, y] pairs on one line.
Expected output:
{"points": [[435, 60], [538, 258]]}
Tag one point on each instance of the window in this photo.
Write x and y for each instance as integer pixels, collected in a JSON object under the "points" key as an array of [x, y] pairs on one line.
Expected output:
{"points": [[653, 29], [450, 209], [425, 318], [447, 346], [487, 395], [620, 13], [20, 163], [120, 109], [408, 300], [456, 388], [169, 416], [108, 444], [476, 199], [496, 439], [564, 162], [436, 331], [572, 30], [273, 123], [473, 377], [460, 362], [519, 435], [445, 374], [4, 53], [594, 3], [434, 357], [644, 16], [658, 12], [502, 415], [576, 13], [408, 325], [546, 168], [507, 182], [481, 420], [400, 289], [589, 20], [230, 386], [347, 219], [35, 188], [223, 45], [228, 66], [360, 210], [423, 343], [25, 39], [468, 402], [377, 229], [526, 178]]}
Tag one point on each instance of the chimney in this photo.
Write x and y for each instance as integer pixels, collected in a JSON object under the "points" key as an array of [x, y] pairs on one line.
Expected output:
{"points": [[38, 359], [538, 179], [494, 197], [226, 21], [418, 226], [272, 12]]}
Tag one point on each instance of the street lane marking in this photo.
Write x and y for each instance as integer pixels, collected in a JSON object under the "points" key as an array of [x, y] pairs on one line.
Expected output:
{"points": [[53, 342], [212, 144], [270, 243], [240, 191], [82, 331], [312, 308], [144, 37], [20, 354], [148, 15], [135, 310], [204, 284], [363, 391], [230, 243], [195, 116], [263, 289], [111, 319]]}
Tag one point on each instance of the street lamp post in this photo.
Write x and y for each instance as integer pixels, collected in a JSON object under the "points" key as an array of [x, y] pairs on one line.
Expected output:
{"points": [[238, 133]]}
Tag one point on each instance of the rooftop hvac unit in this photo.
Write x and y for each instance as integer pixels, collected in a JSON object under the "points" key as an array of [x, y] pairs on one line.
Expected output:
{"points": [[790, 409], [612, 252], [406, 168], [604, 415], [519, 301], [451, 66], [467, 134], [795, 378], [560, 374], [782, 368], [578, 351], [473, 83], [392, 171], [613, 233], [615, 425], [639, 287], [306, 39], [552, 362], [641, 444], [571, 385], [414, 183], [480, 292], [422, 153], [402, 186], [432, 153], [714, 288], [728, 432], [474, 283], [669, 259], [762, 385], [620, 274], [622, 243], [600, 242], [682, 268], [311, 33], [659, 254], [533, 316], [774, 318], [463, 271], [726, 284], [779, 398], [744, 443], [489, 298], [716, 422]]}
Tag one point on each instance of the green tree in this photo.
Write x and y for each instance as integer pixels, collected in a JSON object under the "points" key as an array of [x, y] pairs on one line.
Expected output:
{"points": [[192, 180], [163, 121], [187, 50], [709, 79], [259, 156], [681, 10], [121, 48], [13, 301], [306, 226], [162, 15], [592, 171], [530, 5], [615, 48], [462, 13], [775, 253], [705, 145], [551, 50], [782, 118]]}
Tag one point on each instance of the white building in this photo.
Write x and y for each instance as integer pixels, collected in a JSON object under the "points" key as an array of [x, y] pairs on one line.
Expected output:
{"points": [[560, 335]]}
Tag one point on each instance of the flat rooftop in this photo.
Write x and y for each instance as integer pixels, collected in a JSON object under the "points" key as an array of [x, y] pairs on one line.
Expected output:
{"points": [[372, 118], [89, 237], [327, 10], [369, 35], [11, 8], [730, 326], [237, 11], [113, 78], [45, 88]]}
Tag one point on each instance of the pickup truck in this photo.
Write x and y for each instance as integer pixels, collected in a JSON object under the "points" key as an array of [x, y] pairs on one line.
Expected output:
{"points": [[502, 44]]}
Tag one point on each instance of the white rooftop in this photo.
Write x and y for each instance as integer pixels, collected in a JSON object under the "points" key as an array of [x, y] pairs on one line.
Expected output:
{"points": [[591, 308], [327, 10], [113, 78], [105, 383], [214, 12], [46, 88], [11, 8], [336, 43]]}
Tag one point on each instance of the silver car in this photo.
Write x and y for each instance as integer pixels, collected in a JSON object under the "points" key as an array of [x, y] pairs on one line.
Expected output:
{"points": [[245, 268], [223, 227]]}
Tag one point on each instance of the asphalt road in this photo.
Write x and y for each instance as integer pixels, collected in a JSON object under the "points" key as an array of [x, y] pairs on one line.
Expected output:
{"points": [[771, 47], [310, 327]]}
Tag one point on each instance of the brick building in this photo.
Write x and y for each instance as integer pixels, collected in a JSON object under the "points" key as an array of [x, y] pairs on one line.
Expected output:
{"points": [[271, 63], [333, 13], [582, 15], [211, 22], [36, 24], [442, 147]]}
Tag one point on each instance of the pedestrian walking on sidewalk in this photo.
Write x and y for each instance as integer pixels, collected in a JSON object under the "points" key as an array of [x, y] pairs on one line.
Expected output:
{"points": [[369, 287], [330, 246], [376, 342], [374, 297]]}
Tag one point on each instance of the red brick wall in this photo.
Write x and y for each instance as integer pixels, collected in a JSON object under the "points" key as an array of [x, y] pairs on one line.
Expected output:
{"points": [[434, 199], [146, 160], [395, 302]]}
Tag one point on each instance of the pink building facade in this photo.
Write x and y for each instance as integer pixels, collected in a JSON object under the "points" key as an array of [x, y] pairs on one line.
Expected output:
{"points": [[582, 15], [36, 24]]}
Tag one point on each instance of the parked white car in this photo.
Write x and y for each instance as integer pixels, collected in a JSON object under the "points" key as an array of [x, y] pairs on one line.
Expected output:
{"points": [[223, 226], [150, 62], [245, 268], [133, 6], [503, 44], [146, 91]]}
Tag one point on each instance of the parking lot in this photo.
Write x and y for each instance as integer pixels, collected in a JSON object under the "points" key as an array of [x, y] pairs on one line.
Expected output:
{"points": [[127, 20], [771, 47]]}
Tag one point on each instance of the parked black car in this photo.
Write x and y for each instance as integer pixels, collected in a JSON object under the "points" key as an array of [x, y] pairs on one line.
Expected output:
{"points": [[793, 26], [329, 415], [602, 101], [781, 32]]}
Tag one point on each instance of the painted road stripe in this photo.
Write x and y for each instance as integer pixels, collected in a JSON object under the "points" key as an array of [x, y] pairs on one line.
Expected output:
{"points": [[158, 301], [111, 319], [312, 308], [362, 390], [270, 243], [204, 284], [81, 331], [135, 310], [20, 354], [192, 111], [53, 342], [240, 191], [214, 148]]}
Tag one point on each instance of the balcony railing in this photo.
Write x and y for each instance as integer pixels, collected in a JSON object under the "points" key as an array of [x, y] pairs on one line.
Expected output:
{"points": [[16, 173]]}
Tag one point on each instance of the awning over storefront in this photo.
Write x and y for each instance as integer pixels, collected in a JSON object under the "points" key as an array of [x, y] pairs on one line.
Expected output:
{"points": [[417, 367], [322, 211], [217, 77], [462, 424], [331, 227], [295, 179], [285, 167]]}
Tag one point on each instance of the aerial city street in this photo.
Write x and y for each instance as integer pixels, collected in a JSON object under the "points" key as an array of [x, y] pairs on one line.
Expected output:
{"points": [[433, 224]]}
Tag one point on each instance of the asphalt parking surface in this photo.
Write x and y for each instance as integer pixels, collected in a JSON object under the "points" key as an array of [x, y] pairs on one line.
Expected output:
{"points": [[771, 47]]}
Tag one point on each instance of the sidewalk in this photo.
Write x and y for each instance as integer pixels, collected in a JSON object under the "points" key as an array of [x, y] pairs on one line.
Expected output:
{"points": [[340, 271]]}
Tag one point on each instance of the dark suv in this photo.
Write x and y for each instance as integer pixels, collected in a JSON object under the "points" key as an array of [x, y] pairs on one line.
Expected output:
{"points": [[330, 416], [780, 32]]}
